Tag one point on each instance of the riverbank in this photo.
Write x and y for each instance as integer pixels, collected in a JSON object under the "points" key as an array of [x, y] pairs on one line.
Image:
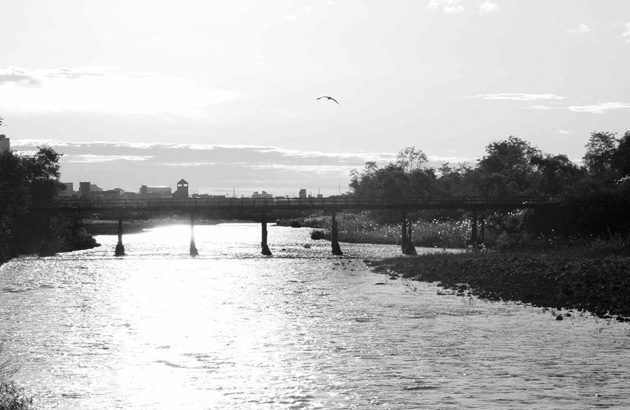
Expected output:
{"points": [[599, 285]]}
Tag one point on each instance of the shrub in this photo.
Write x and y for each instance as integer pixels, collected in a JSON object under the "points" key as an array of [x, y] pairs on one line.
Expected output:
{"points": [[14, 398]]}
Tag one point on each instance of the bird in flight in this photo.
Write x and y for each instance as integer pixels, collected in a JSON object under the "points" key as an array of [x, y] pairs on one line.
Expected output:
{"points": [[328, 98]]}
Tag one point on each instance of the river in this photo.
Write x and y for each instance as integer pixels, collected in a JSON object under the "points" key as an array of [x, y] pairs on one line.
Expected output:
{"points": [[232, 329]]}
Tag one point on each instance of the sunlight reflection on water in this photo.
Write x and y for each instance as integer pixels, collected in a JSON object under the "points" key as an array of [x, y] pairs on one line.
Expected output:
{"points": [[232, 329]]}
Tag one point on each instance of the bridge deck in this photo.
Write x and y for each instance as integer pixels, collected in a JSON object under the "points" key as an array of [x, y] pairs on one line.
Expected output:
{"points": [[269, 204]]}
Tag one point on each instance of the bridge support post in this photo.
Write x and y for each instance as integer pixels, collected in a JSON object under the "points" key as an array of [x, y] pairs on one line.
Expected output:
{"points": [[403, 242], [336, 249], [193, 248], [263, 244], [410, 249], [473, 230], [120, 249], [407, 242]]}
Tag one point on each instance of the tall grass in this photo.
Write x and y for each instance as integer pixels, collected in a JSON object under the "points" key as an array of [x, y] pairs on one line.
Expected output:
{"points": [[363, 227]]}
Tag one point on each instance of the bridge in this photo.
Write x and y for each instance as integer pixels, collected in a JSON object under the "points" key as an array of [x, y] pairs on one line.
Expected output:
{"points": [[264, 206], [305, 204]]}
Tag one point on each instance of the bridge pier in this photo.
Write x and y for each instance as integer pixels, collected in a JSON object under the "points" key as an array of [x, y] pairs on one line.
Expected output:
{"points": [[403, 242], [193, 248], [407, 242], [263, 244], [120, 249], [336, 249], [473, 230]]}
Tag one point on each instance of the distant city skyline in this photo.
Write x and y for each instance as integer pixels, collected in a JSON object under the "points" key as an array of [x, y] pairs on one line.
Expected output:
{"points": [[224, 94]]}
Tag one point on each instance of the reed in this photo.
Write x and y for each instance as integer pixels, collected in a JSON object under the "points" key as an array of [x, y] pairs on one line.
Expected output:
{"points": [[364, 227]]}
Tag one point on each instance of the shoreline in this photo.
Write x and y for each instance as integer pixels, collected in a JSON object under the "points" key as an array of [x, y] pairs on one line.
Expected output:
{"points": [[600, 286]]}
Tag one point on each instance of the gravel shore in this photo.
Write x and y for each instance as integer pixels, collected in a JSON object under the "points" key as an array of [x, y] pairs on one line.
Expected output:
{"points": [[600, 286]]}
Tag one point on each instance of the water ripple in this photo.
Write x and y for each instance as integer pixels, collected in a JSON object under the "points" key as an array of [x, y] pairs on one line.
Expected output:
{"points": [[232, 329]]}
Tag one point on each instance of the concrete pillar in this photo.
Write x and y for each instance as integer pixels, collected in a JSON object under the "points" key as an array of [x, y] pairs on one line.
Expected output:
{"points": [[120, 249], [336, 249], [403, 242], [473, 233], [263, 244], [409, 249], [193, 248]]}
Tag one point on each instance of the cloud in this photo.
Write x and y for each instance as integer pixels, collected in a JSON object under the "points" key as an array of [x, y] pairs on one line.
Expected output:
{"points": [[106, 91], [304, 12], [91, 158], [518, 97], [626, 34], [600, 108], [540, 107], [311, 169], [13, 75], [563, 132], [580, 29], [583, 28], [488, 7], [447, 6], [439, 160]]}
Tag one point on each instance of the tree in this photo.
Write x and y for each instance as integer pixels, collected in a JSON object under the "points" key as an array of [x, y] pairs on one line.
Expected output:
{"points": [[600, 149], [454, 181], [43, 174], [23, 181], [507, 168], [621, 158], [557, 174], [410, 159], [406, 178]]}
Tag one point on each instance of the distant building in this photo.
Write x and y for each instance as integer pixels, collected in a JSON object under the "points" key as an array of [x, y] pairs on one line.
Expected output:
{"points": [[155, 191], [69, 190], [129, 195], [109, 194], [182, 189], [302, 193], [264, 194], [85, 189], [208, 196], [5, 143]]}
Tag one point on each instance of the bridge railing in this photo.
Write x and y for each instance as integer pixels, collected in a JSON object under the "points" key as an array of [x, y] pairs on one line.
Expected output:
{"points": [[346, 202]]}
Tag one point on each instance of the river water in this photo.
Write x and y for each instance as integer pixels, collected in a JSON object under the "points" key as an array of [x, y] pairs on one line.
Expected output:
{"points": [[232, 329]]}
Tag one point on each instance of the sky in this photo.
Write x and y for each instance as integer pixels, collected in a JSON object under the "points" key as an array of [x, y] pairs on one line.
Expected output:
{"points": [[224, 93]]}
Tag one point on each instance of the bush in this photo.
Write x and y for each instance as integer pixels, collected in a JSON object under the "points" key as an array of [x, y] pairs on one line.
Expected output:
{"points": [[14, 398]]}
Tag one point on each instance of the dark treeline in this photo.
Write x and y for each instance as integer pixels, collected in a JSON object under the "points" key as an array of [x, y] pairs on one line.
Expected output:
{"points": [[24, 181], [596, 194]]}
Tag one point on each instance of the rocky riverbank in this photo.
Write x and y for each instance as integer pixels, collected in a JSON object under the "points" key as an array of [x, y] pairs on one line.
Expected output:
{"points": [[600, 286]]}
